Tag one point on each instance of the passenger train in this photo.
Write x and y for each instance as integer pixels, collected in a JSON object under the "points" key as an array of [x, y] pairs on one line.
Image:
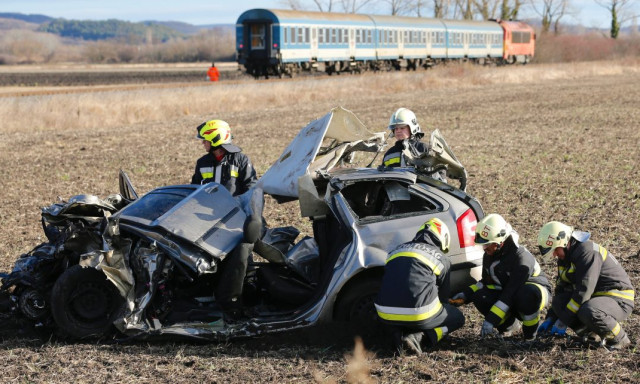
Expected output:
{"points": [[284, 42]]}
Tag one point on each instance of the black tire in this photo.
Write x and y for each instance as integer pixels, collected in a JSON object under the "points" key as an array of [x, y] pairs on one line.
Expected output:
{"points": [[357, 307], [84, 303]]}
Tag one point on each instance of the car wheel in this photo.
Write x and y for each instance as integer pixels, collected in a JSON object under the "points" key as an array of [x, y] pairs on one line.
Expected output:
{"points": [[357, 307], [84, 302]]}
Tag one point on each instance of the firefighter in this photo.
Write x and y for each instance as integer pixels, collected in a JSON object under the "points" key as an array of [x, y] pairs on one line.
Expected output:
{"points": [[407, 133], [593, 292], [513, 290], [224, 162], [415, 286]]}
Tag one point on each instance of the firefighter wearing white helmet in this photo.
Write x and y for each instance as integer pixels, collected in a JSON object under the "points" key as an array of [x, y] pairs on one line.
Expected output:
{"points": [[593, 292], [407, 133], [513, 289], [224, 162], [415, 287]]}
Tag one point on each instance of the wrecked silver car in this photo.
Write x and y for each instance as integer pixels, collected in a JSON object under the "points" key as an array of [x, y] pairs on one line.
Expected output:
{"points": [[142, 266]]}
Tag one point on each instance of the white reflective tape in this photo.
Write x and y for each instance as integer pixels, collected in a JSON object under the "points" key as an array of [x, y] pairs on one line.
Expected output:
{"points": [[218, 174]]}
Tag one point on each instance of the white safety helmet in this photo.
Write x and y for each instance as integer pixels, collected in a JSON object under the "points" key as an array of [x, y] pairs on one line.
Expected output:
{"points": [[552, 235], [404, 116], [493, 228]]}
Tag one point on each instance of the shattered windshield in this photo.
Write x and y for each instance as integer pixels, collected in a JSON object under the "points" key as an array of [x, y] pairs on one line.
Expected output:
{"points": [[156, 203]]}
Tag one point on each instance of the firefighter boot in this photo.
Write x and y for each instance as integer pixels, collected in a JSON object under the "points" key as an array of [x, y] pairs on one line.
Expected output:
{"points": [[411, 343], [623, 343]]}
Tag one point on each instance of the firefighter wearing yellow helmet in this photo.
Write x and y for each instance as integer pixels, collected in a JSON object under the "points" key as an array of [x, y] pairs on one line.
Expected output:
{"points": [[407, 132], [593, 292], [513, 289], [415, 287], [224, 163]]}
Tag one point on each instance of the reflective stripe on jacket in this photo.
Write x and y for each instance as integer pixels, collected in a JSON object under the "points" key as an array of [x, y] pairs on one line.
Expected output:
{"points": [[597, 273], [416, 280], [509, 268], [234, 171]]}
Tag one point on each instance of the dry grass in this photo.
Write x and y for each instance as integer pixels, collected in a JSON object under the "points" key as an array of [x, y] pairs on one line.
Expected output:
{"points": [[114, 108], [555, 142]]}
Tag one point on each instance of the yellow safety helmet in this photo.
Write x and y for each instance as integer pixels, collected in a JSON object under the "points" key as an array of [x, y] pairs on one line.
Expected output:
{"points": [[404, 116], [440, 231], [552, 235], [493, 228], [217, 132]]}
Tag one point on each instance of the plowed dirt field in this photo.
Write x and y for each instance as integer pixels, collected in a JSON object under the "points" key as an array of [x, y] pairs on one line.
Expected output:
{"points": [[562, 147]]}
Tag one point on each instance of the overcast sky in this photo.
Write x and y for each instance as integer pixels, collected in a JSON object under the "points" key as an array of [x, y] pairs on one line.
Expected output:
{"points": [[202, 12]]}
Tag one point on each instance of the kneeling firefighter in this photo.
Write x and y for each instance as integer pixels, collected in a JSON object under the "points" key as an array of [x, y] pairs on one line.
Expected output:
{"points": [[593, 292], [415, 286], [513, 289]]}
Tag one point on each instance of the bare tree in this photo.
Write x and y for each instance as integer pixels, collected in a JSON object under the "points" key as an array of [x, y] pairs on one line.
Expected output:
{"points": [[440, 8], [616, 8], [510, 8], [551, 12], [292, 4], [400, 7], [353, 6], [320, 5]]}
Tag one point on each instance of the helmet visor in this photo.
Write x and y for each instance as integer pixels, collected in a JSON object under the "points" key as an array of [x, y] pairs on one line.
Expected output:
{"points": [[480, 240], [544, 250]]}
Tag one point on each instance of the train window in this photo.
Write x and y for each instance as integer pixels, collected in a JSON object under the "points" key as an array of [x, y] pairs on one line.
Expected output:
{"points": [[257, 36], [520, 37], [333, 36], [285, 35], [300, 38]]}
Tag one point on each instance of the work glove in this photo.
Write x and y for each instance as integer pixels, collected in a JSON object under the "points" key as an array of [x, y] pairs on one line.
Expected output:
{"points": [[487, 329], [458, 299], [546, 325], [559, 328]]}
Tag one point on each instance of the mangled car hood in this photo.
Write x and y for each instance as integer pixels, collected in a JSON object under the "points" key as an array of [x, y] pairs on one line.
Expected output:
{"points": [[306, 156]]}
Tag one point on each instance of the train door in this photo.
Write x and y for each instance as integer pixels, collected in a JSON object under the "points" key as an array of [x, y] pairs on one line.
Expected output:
{"points": [[259, 41], [467, 40], [314, 42], [352, 42]]}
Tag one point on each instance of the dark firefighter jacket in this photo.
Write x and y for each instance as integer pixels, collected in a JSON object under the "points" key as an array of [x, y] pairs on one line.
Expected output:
{"points": [[414, 285], [235, 172], [507, 270], [591, 271], [394, 158]]}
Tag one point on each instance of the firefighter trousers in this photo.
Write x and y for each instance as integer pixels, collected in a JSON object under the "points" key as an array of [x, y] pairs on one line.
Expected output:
{"points": [[528, 302], [437, 327], [600, 314]]}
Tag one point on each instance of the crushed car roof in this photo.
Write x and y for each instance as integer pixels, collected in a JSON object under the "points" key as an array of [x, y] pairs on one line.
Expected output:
{"points": [[305, 155]]}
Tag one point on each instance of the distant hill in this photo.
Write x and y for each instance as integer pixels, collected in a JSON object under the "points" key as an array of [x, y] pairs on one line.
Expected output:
{"points": [[105, 29], [178, 26], [36, 19], [7, 24], [109, 29]]}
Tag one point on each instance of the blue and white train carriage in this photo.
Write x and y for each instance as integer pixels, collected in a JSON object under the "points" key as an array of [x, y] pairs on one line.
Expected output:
{"points": [[278, 42]]}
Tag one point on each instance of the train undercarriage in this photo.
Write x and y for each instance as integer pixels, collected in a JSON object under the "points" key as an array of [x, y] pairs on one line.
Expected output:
{"points": [[280, 70]]}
